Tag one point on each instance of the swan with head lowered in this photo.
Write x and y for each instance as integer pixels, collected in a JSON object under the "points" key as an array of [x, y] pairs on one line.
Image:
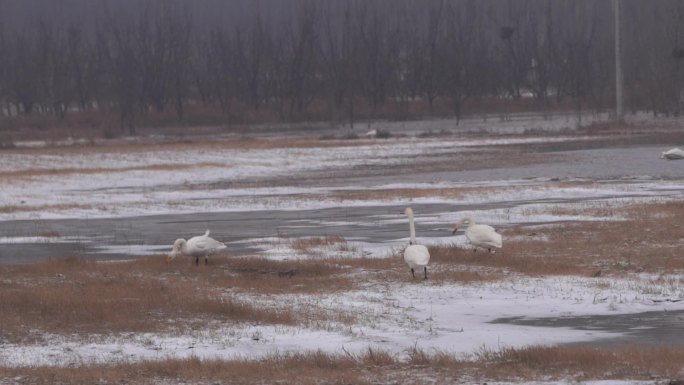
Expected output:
{"points": [[416, 256], [673, 154], [483, 236], [199, 246]]}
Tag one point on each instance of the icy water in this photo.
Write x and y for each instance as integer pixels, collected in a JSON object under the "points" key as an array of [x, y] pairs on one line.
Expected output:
{"points": [[658, 328], [102, 237], [149, 235], [610, 163]]}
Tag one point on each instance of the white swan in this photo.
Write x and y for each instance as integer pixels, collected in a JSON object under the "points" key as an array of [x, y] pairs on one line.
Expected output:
{"points": [[416, 256], [199, 246], [483, 236], [673, 154]]}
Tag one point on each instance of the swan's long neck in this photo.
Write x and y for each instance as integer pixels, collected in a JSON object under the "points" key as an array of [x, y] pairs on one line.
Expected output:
{"points": [[412, 228], [184, 247]]}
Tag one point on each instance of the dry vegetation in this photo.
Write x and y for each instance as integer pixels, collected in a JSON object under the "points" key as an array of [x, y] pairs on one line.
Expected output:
{"points": [[74, 296], [314, 244], [650, 240], [377, 366], [179, 144], [28, 173], [8, 209]]}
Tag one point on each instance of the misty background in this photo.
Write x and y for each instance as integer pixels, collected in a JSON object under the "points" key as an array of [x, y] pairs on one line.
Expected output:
{"points": [[249, 61]]}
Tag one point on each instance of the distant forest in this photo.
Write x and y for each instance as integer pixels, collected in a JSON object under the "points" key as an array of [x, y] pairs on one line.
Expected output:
{"points": [[254, 61]]}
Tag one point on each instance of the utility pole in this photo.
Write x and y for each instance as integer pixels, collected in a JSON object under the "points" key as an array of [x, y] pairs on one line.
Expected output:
{"points": [[619, 111]]}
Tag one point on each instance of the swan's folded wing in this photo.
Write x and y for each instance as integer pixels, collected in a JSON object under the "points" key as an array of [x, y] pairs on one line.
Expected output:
{"points": [[675, 153], [484, 235], [209, 244], [202, 244], [416, 255], [422, 256]]}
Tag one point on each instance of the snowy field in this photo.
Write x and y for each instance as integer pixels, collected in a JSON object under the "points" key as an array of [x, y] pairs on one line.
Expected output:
{"points": [[42, 185]]}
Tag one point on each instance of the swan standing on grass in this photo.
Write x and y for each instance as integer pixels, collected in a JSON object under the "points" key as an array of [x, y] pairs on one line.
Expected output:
{"points": [[416, 256], [199, 246], [483, 236]]}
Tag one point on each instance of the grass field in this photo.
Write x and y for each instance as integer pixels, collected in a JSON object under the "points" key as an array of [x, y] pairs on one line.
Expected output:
{"points": [[328, 309], [85, 300]]}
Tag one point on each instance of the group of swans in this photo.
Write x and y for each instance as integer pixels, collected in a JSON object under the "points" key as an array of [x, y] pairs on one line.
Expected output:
{"points": [[417, 256]]}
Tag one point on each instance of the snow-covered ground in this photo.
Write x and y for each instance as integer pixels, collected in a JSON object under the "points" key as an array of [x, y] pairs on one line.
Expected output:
{"points": [[105, 184], [394, 316]]}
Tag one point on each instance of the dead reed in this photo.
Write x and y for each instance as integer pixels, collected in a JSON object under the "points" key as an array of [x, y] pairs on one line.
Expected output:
{"points": [[314, 245], [264, 276], [8, 209], [582, 363], [649, 240], [28, 173], [75, 296], [376, 366]]}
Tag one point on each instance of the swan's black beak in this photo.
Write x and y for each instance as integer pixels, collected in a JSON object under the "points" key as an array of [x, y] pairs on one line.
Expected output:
{"points": [[455, 230]]}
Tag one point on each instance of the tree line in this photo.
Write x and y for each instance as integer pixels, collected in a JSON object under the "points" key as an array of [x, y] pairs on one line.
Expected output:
{"points": [[334, 58]]}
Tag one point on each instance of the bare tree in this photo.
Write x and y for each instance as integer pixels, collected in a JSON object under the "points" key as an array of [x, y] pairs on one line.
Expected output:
{"points": [[577, 36], [436, 50], [249, 67], [178, 32], [219, 81], [6, 108], [301, 47], [337, 52], [22, 68], [157, 55], [78, 60], [126, 73], [466, 55], [375, 54]]}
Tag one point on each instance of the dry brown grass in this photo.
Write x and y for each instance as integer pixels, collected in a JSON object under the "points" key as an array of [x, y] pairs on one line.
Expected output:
{"points": [[146, 145], [404, 193], [650, 240], [28, 173], [307, 245], [264, 276], [583, 363], [457, 193], [8, 209], [67, 296], [74, 296], [451, 264], [79, 296], [377, 366]]}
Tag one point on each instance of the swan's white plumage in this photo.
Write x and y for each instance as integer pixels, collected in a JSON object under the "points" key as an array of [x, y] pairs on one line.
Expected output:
{"points": [[416, 256], [673, 154], [199, 246], [483, 236]]}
